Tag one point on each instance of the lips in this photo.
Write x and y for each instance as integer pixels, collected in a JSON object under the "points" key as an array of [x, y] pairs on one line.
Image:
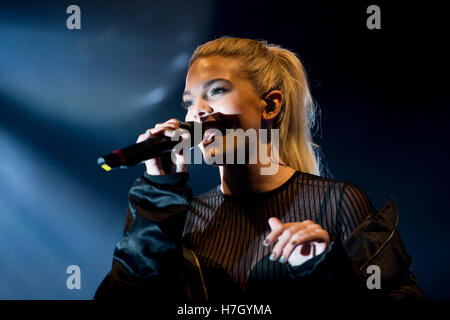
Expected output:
{"points": [[211, 129], [209, 136], [214, 124]]}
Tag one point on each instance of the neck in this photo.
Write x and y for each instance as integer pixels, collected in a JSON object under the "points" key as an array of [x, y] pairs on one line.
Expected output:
{"points": [[247, 179]]}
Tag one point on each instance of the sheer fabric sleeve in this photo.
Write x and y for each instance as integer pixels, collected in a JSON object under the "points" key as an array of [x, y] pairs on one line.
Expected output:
{"points": [[354, 207], [148, 261]]}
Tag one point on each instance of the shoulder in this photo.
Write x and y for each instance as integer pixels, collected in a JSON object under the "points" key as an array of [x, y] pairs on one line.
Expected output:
{"points": [[346, 193], [212, 193], [354, 204], [209, 198], [346, 186], [354, 193], [315, 181]]}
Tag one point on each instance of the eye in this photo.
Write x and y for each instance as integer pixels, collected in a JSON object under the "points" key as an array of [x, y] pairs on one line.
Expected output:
{"points": [[218, 90], [186, 104]]}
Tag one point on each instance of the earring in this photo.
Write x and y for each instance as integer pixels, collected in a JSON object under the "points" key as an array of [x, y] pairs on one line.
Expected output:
{"points": [[270, 105]]}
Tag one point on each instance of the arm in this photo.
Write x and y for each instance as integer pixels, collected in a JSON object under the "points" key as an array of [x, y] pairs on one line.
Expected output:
{"points": [[340, 272], [334, 274], [147, 261]]}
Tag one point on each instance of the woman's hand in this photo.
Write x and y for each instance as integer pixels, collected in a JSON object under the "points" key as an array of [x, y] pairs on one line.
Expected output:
{"points": [[163, 164], [297, 241]]}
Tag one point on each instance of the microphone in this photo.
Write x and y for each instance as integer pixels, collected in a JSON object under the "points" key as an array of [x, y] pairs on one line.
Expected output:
{"points": [[150, 148]]}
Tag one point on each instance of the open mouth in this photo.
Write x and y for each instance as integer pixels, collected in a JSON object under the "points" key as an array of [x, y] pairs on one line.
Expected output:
{"points": [[209, 137], [211, 129]]}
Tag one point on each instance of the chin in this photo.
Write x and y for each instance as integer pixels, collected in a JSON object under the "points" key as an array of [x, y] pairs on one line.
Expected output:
{"points": [[212, 155], [216, 152]]}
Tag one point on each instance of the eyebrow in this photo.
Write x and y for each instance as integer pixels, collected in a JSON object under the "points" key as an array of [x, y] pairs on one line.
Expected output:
{"points": [[208, 84]]}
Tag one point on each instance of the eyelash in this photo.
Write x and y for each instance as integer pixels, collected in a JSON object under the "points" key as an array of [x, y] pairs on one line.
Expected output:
{"points": [[219, 88], [187, 104]]}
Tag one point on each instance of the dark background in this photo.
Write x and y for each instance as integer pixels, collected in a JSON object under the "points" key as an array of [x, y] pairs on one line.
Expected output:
{"points": [[69, 96]]}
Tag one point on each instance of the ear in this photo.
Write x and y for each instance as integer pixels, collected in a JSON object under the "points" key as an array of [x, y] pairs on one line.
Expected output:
{"points": [[277, 97]]}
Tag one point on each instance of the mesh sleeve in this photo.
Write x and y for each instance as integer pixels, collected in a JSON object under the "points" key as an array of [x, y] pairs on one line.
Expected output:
{"points": [[354, 206]]}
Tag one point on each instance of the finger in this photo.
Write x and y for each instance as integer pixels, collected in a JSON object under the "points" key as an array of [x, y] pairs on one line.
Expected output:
{"points": [[185, 134], [180, 152], [180, 134], [158, 129], [174, 121], [297, 239], [141, 138], [287, 251], [162, 129], [315, 234], [171, 122], [160, 126], [274, 224], [283, 239], [146, 135], [276, 228]]}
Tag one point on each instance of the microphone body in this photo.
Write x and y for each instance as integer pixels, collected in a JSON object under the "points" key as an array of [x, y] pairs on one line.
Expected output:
{"points": [[148, 149]]}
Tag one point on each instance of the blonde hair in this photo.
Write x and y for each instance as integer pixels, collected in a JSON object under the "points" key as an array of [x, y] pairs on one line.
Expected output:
{"points": [[270, 67]]}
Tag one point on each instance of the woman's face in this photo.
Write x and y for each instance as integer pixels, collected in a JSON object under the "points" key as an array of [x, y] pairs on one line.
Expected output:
{"points": [[216, 95]]}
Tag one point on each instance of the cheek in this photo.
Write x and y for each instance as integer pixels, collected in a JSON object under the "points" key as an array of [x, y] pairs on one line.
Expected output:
{"points": [[250, 119], [229, 105], [246, 111]]}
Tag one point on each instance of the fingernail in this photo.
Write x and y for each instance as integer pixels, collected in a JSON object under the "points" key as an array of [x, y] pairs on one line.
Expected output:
{"points": [[148, 133], [266, 242], [272, 256], [283, 259]]}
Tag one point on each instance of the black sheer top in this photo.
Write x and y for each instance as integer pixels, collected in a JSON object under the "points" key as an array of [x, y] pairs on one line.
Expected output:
{"points": [[227, 232]]}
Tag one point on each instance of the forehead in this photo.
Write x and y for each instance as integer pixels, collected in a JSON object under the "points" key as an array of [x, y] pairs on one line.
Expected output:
{"points": [[205, 69]]}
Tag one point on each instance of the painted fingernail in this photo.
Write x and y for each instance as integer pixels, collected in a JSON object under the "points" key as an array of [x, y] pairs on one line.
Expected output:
{"points": [[283, 259], [266, 242], [272, 257]]}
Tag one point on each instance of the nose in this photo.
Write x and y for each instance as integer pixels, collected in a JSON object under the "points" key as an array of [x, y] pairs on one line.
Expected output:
{"points": [[202, 109]]}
